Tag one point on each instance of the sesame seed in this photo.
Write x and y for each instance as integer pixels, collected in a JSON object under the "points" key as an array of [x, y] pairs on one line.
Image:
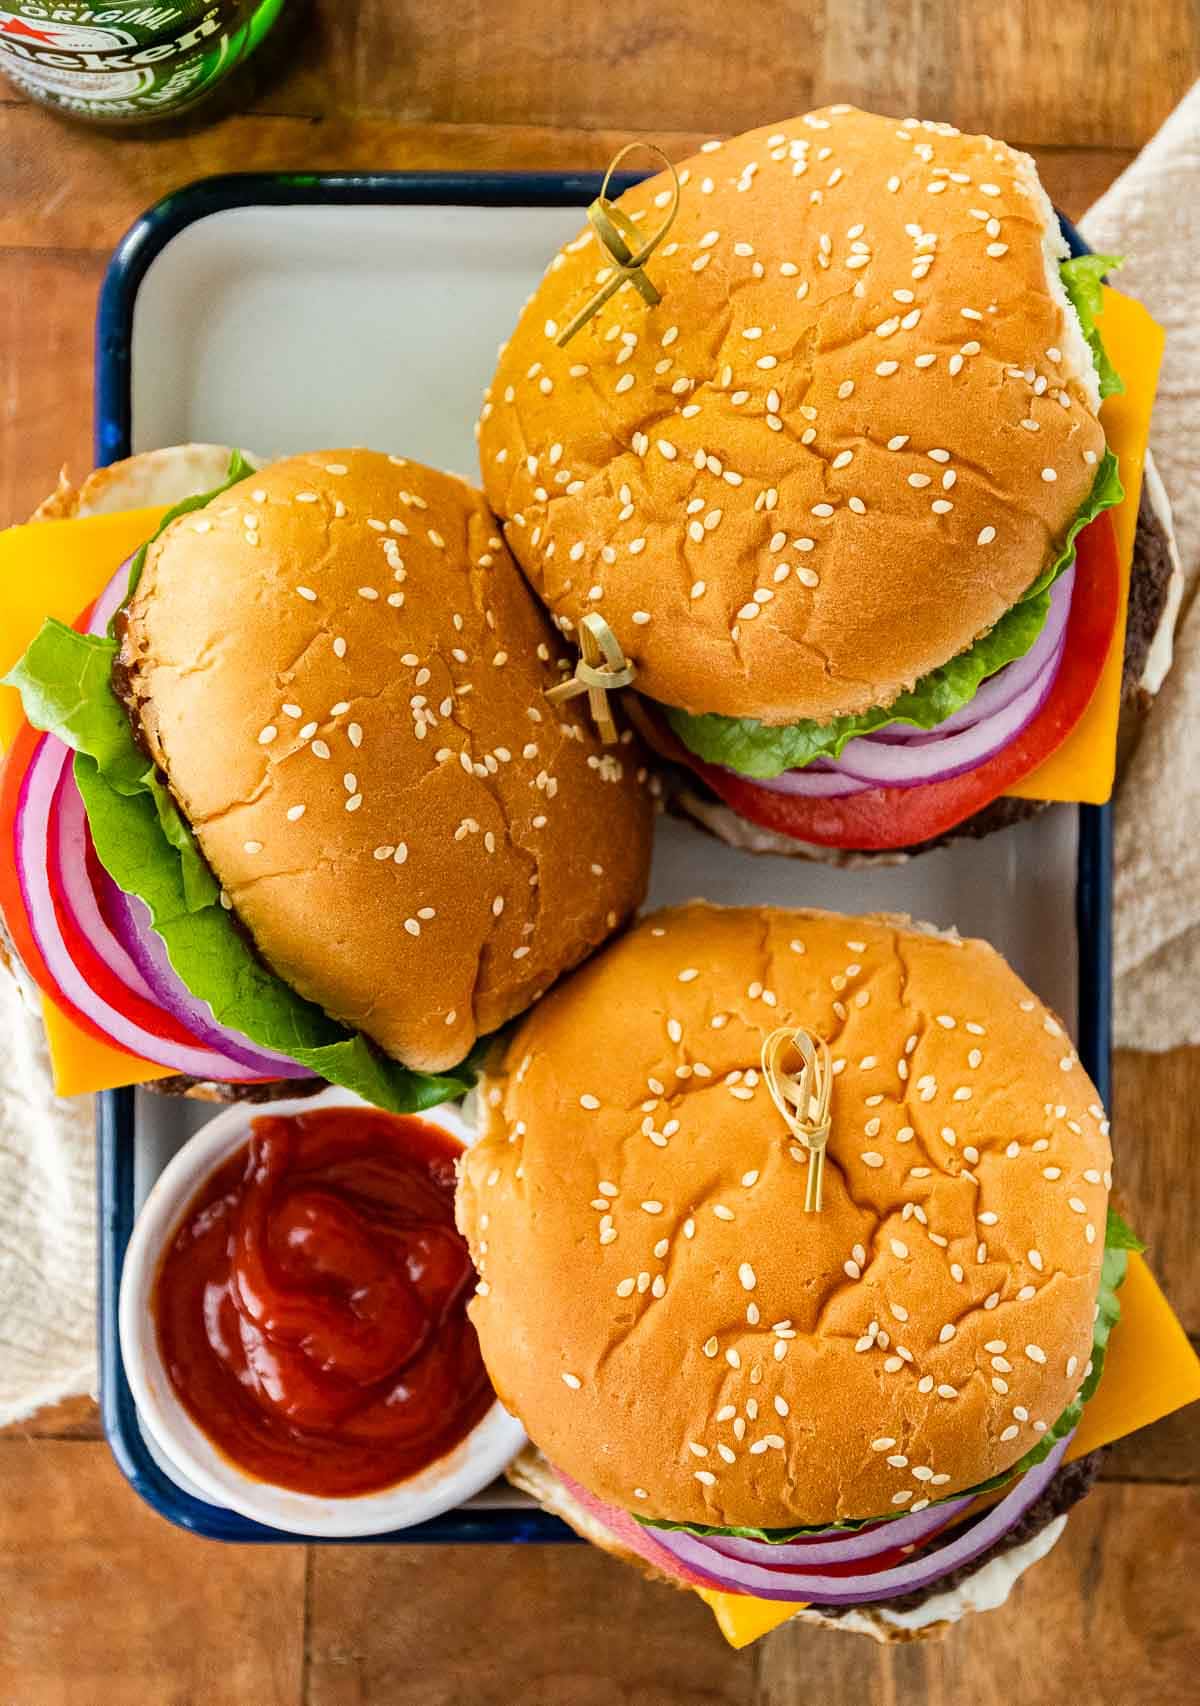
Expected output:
{"points": [[1049, 475], [747, 1276], [1035, 1353]]}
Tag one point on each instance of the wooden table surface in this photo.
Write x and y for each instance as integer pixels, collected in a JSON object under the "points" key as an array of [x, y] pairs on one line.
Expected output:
{"points": [[101, 1602]]}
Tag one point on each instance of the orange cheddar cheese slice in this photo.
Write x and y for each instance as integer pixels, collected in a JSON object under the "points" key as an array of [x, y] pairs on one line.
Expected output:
{"points": [[742, 1619], [82, 1065], [1083, 767], [56, 568], [1150, 1370]]}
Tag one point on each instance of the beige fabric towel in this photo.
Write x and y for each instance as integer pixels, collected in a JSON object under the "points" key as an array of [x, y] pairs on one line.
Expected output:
{"points": [[47, 1220], [47, 1146], [1151, 215]]}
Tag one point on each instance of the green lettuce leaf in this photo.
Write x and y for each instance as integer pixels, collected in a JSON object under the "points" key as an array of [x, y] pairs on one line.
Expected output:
{"points": [[143, 842], [1082, 277], [758, 749], [1119, 1240]]}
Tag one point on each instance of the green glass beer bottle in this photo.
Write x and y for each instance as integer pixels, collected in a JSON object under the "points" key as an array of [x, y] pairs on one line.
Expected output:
{"points": [[128, 61]]}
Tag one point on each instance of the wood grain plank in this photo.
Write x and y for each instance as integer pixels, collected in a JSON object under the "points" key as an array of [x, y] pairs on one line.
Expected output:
{"points": [[1065, 71], [545, 64], [1108, 1618], [1073, 72], [74, 190], [1076, 177], [1168, 1451], [72, 1419], [47, 305], [1156, 1133], [488, 1626], [104, 1602]]}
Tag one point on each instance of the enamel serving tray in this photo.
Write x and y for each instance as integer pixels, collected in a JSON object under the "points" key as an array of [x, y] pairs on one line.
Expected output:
{"points": [[286, 313]]}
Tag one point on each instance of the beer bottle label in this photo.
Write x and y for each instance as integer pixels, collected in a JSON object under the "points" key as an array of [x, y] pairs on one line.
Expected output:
{"points": [[126, 61]]}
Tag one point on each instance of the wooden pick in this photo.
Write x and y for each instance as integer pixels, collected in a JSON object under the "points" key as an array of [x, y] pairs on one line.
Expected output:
{"points": [[601, 668], [623, 241], [802, 1095]]}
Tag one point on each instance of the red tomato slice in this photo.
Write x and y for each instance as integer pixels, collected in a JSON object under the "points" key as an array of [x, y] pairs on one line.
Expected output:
{"points": [[880, 818]]}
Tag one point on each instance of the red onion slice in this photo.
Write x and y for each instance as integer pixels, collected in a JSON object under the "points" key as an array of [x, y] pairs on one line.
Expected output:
{"points": [[922, 1571], [31, 848], [118, 927], [912, 1529], [999, 690], [824, 784], [109, 601], [131, 919], [901, 755], [895, 766], [71, 880], [134, 937]]}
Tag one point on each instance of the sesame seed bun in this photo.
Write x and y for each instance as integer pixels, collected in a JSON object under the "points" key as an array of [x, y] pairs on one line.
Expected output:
{"points": [[844, 443], [672, 1328], [342, 675]]}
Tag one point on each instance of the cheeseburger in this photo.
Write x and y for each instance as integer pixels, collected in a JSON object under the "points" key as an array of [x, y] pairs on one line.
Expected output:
{"points": [[840, 495], [300, 809], [862, 1405]]}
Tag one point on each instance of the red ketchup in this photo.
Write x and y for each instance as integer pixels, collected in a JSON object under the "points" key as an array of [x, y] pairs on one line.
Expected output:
{"points": [[311, 1305]]}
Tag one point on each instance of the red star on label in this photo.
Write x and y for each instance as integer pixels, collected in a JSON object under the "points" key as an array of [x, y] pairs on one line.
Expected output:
{"points": [[18, 27]]}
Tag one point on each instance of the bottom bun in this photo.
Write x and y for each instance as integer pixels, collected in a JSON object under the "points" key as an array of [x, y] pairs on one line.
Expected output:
{"points": [[982, 1585], [150, 478]]}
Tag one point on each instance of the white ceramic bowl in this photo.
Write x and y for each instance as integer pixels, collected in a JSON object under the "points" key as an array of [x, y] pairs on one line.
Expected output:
{"points": [[474, 1462]]}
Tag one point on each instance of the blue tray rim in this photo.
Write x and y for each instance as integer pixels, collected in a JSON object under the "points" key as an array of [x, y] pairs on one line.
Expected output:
{"points": [[130, 262]]}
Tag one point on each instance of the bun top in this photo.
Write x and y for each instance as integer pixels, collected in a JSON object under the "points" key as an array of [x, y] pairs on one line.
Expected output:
{"points": [[672, 1328], [843, 444], [342, 674]]}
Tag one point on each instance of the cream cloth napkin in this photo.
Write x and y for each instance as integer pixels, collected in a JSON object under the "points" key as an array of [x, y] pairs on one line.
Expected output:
{"points": [[1151, 215], [47, 1220], [47, 1159]]}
